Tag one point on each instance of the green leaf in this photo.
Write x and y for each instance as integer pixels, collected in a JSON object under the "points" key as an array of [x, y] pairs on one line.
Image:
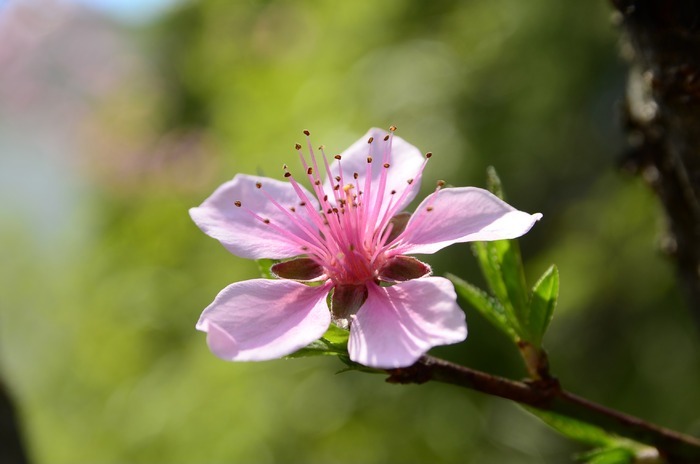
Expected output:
{"points": [[334, 342], [488, 306], [575, 429], [493, 182], [264, 266], [543, 300], [337, 336], [613, 455], [502, 268]]}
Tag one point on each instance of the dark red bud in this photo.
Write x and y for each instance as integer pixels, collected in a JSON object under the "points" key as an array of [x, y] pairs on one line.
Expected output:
{"points": [[346, 301], [298, 269], [402, 268], [398, 225]]}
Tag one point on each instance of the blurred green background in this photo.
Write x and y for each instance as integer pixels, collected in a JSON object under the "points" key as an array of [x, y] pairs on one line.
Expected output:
{"points": [[111, 127]]}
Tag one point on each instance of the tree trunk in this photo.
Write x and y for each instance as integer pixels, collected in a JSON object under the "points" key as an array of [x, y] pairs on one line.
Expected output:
{"points": [[662, 42]]}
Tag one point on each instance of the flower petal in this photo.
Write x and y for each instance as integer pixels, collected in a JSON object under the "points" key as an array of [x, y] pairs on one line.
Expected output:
{"points": [[464, 214], [398, 324], [405, 162], [263, 319], [240, 231]]}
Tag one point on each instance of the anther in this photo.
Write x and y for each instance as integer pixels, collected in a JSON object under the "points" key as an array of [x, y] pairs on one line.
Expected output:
{"points": [[318, 182], [310, 171], [304, 248], [338, 157], [293, 209], [386, 137], [321, 147], [302, 203], [355, 175], [337, 187], [393, 192], [370, 140], [409, 181], [266, 221], [258, 185], [237, 203], [441, 183], [369, 159], [429, 208], [386, 165], [297, 146], [337, 178], [287, 174], [307, 133], [325, 197], [429, 154], [392, 128]]}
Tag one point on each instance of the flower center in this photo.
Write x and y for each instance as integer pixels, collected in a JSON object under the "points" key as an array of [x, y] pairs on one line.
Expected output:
{"points": [[354, 230]]}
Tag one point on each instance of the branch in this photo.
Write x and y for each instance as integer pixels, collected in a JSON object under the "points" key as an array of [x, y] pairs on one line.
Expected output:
{"points": [[549, 396], [662, 119]]}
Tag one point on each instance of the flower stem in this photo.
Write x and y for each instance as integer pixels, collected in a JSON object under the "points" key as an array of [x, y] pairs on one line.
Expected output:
{"points": [[548, 395]]}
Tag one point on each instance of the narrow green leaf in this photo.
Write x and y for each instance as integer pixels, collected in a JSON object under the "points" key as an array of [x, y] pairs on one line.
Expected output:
{"points": [[502, 268], [336, 335], [334, 342], [543, 300], [612, 455], [488, 306], [493, 182], [575, 429]]}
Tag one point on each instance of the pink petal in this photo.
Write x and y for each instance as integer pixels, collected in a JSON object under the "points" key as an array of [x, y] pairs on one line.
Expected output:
{"points": [[398, 324], [241, 232], [465, 214], [262, 319], [405, 163]]}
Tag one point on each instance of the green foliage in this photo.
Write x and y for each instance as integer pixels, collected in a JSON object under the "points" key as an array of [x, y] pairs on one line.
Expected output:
{"points": [[574, 429], [612, 455], [334, 342], [609, 448], [488, 306], [264, 266], [543, 300]]}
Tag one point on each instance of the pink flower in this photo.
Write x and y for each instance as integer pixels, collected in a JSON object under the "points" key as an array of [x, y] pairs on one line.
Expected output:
{"points": [[350, 237]]}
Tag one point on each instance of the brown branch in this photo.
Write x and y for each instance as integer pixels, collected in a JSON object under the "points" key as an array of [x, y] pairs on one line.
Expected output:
{"points": [[549, 396], [662, 119]]}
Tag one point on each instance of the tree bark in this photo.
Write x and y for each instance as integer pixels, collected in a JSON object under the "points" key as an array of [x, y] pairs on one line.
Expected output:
{"points": [[662, 117]]}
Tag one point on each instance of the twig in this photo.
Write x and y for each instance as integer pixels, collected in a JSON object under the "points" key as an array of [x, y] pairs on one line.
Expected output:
{"points": [[549, 396]]}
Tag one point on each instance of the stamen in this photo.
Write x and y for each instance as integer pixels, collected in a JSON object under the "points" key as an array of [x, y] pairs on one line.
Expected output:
{"points": [[237, 203]]}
